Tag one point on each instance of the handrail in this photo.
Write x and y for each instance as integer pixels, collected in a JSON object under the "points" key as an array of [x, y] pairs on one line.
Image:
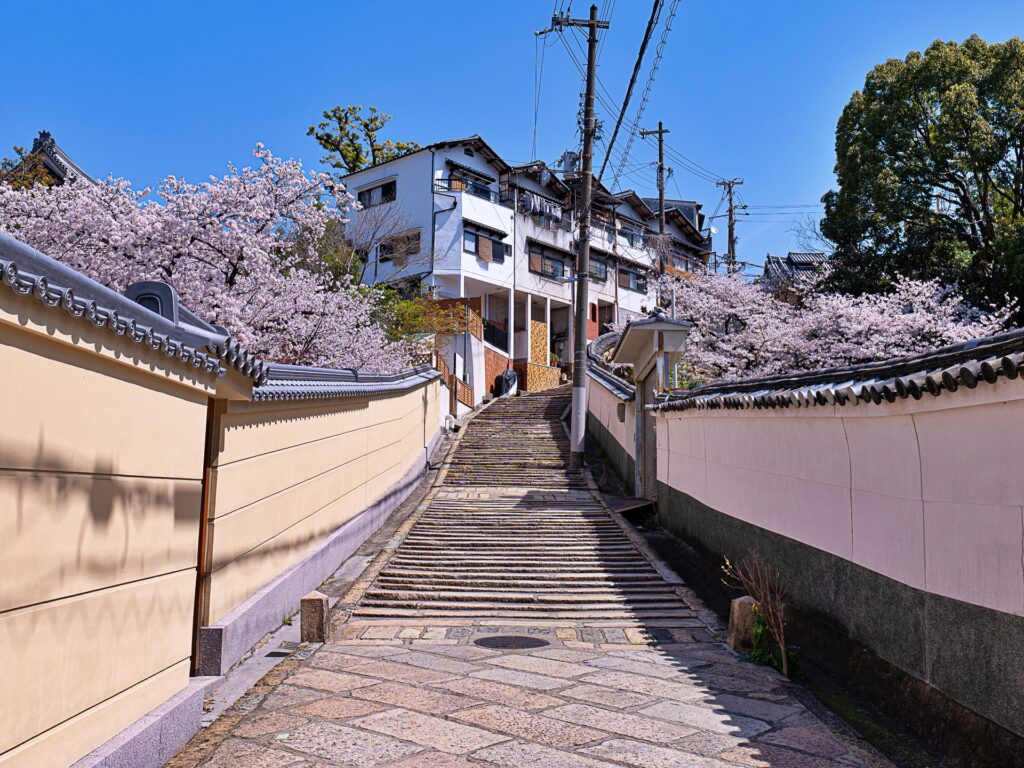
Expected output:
{"points": [[475, 188]]}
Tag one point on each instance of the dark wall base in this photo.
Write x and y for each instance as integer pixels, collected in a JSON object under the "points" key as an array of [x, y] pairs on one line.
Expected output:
{"points": [[620, 459], [951, 671]]}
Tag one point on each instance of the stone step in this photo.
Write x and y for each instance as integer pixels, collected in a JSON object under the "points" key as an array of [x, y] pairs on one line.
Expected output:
{"points": [[540, 578], [501, 596], [483, 585], [548, 613]]}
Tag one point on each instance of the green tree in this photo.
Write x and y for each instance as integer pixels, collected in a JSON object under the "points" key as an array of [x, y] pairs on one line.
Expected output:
{"points": [[349, 134], [930, 170], [25, 169]]}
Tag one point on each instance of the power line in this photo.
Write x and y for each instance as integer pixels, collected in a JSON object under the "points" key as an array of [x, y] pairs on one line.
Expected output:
{"points": [[538, 74], [652, 22], [646, 95]]}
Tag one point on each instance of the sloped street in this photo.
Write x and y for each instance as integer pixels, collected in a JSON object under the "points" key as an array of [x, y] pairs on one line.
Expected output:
{"points": [[515, 621]]}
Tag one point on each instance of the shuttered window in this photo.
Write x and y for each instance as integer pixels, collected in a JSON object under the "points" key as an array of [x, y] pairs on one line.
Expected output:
{"points": [[486, 249], [536, 259], [632, 281]]}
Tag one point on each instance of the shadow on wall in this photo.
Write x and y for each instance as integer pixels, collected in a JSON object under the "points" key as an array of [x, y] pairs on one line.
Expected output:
{"points": [[124, 527]]}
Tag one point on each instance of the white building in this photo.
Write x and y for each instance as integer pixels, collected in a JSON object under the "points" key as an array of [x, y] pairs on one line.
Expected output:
{"points": [[502, 240]]}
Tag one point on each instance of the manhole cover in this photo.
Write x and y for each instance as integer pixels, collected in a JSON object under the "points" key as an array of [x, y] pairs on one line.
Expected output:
{"points": [[511, 642]]}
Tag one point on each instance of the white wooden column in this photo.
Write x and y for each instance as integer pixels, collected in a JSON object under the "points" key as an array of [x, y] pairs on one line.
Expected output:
{"points": [[511, 323], [529, 327], [547, 322]]}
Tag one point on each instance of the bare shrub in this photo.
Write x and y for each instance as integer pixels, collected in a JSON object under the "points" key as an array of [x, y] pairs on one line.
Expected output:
{"points": [[763, 583]]}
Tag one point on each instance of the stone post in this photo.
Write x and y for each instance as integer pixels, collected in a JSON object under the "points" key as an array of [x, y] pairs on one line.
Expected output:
{"points": [[741, 623], [313, 621]]}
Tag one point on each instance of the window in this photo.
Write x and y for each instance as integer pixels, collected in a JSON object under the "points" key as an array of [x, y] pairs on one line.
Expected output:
{"points": [[399, 248], [632, 236], [549, 263], [382, 193], [679, 261], [598, 269], [632, 281], [593, 313], [484, 247]]}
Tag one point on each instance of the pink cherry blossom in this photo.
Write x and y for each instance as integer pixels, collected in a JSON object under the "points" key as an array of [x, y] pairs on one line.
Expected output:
{"points": [[742, 330], [229, 248]]}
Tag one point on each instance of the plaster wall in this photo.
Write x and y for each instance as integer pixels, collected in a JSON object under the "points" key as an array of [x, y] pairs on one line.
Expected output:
{"points": [[615, 437], [927, 493], [101, 456], [288, 474], [920, 503]]}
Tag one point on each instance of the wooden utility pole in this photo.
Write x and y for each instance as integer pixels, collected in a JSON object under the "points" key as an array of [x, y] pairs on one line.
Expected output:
{"points": [[660, 132], [730, 257], [582, 276]]}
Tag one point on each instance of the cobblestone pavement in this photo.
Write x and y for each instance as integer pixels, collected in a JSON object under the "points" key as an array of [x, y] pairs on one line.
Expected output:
{"points": [[520, 643]]}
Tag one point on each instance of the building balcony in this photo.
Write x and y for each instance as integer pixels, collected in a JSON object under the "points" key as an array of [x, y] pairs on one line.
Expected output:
{"points": [[545, 214], [470, 187]]}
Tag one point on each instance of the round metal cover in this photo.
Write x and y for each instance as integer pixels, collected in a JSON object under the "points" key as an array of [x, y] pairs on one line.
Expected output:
{"points": [[511, 642]]}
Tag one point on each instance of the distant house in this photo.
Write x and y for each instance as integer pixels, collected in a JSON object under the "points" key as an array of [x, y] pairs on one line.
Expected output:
{"points": [[780, 271], [500, 239], [53, 160]]}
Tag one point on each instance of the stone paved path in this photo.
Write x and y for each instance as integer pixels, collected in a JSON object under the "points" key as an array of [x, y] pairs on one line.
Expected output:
{"points": [[511, 548]]}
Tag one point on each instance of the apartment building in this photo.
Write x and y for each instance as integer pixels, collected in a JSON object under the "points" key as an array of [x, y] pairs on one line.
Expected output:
{"points": [[463, 225]]}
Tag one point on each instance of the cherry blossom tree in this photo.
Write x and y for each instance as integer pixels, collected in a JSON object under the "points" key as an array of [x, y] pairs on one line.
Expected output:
{"points": [[741, 330], [239, 250]]}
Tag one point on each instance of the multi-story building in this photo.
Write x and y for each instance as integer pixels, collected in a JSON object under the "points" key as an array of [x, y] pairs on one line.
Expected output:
{"points": [[463, 225]]}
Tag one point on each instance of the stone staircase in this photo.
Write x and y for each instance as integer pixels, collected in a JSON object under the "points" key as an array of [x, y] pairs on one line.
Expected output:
{"points": [[514, 533]]}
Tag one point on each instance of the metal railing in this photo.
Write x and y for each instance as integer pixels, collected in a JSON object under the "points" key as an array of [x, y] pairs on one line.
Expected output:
{"points": [[495, 336], [470, 187]]}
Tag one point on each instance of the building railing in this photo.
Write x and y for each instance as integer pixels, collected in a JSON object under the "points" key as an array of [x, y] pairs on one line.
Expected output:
{"points": [[455, 184], [495, 335], [686, 263], [458, 390]]}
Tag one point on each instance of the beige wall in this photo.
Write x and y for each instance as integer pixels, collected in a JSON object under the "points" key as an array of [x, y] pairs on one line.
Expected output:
{"points": [[102, 445], [101, 454], [929, 493], [288, 474]]}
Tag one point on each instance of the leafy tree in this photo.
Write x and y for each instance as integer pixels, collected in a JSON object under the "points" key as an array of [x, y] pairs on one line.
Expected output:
{"points": [[349, 134], [930, 170], [25, 169]]}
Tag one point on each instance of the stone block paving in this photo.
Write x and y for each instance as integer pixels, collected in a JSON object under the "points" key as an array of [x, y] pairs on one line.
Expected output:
{"points": [[425, 695]]}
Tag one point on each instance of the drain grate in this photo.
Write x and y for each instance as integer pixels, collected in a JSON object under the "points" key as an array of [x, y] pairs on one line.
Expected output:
{"points": [[510, 642]]}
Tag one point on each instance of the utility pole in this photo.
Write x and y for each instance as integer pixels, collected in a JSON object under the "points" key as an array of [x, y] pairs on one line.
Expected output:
{"points": [[730, 257], [660, 133], [582, 277]]}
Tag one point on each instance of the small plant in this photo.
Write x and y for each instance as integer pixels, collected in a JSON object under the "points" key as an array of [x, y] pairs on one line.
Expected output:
{"points": [[764, 649], [287, 621], [763, 583]]}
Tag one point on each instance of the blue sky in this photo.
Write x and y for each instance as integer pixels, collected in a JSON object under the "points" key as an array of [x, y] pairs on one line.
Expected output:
{"points": [[747, 89]]}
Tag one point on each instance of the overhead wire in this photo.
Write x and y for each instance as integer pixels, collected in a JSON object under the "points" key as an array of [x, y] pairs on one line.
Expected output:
{"points": [[652, 22], [646, 94]]}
